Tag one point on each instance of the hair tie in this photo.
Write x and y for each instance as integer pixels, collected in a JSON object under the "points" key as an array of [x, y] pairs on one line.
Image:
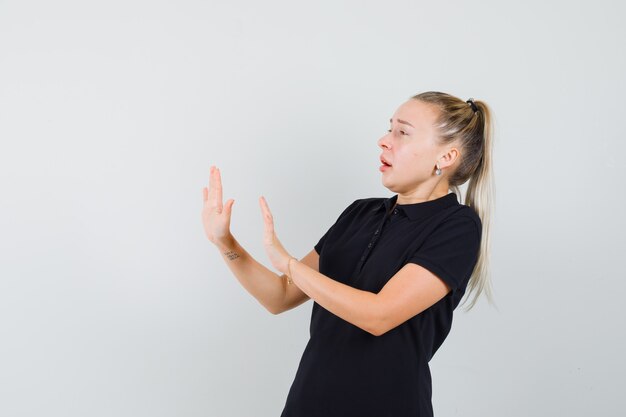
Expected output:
{"points": [[470, 101]]}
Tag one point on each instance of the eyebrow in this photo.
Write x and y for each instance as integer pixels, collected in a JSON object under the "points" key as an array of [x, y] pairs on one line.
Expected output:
{"points": [[402, 121]]}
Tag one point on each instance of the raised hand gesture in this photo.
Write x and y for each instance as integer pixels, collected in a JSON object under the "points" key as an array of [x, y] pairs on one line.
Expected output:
{"points": [[215, 217], [275, 250]]}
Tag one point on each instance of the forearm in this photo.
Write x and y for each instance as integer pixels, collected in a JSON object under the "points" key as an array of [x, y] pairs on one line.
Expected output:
{"points": [[355, 306], [263, 284]]}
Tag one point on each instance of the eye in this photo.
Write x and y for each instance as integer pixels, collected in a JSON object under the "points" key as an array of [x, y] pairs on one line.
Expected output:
{"points": [[402, 131]]}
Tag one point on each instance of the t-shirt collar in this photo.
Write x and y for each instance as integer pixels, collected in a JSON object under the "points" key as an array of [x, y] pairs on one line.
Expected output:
{"points": [[420, 210]]}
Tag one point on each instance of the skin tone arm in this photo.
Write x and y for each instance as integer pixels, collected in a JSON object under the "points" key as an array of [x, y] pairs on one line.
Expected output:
{"points": [[409, 292], [267, 287], [412, 289], [271, 290]]}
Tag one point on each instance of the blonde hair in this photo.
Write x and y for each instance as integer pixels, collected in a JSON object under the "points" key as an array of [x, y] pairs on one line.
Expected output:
{"points": [[473, 131]]}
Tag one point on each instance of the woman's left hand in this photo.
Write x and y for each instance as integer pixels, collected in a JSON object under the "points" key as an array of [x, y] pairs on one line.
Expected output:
{"points": [[275, 251]]}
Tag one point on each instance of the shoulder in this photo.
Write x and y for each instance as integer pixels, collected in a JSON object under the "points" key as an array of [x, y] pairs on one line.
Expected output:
{"points": [[362, 207], [365, 203], [370, 201], [470, 215], [464, 218]]}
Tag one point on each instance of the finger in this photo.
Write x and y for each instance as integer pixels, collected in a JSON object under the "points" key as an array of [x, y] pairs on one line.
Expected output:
{"points": [[268, 221], [211, 185], [270, 229], [205, 194], [218, 189], [265, 207], [229, 206], [215, 189]]}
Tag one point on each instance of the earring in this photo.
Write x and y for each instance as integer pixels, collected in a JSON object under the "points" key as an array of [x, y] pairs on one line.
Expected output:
{"points": [[438, 170]]}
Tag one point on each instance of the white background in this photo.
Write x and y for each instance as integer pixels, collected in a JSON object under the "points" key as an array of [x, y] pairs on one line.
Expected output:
{"points": [[114, 303]]}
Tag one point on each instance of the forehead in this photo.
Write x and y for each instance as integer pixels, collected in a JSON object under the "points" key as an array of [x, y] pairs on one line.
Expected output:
{"points": [[421, 115]]}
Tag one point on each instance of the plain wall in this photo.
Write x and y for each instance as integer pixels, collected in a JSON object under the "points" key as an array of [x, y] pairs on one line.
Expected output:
{"points": [[114, 303]]}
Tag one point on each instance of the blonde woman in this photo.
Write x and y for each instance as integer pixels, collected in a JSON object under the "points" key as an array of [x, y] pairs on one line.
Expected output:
{"points": [[386, 277]]}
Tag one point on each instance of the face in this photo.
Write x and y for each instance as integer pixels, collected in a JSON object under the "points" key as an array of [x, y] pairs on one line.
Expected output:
{"points": [[410, 147]]}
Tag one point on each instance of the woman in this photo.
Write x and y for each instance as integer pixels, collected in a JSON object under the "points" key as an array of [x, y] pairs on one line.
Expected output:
{"points": [[387, 275]]}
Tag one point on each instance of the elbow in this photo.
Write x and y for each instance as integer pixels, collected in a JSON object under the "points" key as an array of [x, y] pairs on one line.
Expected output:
{"points": [[373, 332], [380, 321], [377, 330], [382, 326], [273, 311], [377, 325]]}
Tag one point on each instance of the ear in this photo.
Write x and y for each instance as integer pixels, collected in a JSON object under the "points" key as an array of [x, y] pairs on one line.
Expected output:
{"points": [[449, 157]]}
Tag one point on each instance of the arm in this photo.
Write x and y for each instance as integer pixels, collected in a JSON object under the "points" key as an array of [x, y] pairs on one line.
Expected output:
{"points": [[266, 286], [409, 292]]}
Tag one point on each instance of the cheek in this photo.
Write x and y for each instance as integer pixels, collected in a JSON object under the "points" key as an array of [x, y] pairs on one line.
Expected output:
{"points": [[414, 153], [422, 155], [414, 161], [411, 157]]}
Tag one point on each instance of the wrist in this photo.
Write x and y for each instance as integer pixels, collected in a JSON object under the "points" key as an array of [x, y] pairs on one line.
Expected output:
{"points": [[289, 273], [226, 243]]}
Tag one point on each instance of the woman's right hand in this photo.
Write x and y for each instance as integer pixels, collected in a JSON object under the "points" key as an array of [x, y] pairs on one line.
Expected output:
{"points": [[215, 217]]}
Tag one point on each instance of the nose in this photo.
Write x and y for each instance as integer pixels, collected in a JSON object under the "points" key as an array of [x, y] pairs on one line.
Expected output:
{"points": [[384, 141]]}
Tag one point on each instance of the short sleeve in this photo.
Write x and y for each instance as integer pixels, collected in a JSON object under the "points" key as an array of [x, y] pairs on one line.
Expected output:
{"points": [[451, 250], [320, 244]]}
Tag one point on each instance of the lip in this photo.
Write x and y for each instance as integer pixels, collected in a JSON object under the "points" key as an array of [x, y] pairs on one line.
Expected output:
{"points": [[384, 161]]}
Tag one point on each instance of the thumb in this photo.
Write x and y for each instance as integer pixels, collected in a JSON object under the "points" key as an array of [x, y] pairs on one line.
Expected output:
{"points": [[229, 205]]}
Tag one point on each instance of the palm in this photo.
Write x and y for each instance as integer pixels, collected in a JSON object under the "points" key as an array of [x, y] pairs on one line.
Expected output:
{"points": [[275, 251], [215, 215]]}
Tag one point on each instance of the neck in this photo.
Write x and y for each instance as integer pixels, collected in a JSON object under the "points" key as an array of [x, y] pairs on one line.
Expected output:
{"points": [[419, 196]]}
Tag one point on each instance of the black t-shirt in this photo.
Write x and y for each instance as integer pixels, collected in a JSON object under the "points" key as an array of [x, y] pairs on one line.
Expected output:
{"points": [[346, 371]]}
